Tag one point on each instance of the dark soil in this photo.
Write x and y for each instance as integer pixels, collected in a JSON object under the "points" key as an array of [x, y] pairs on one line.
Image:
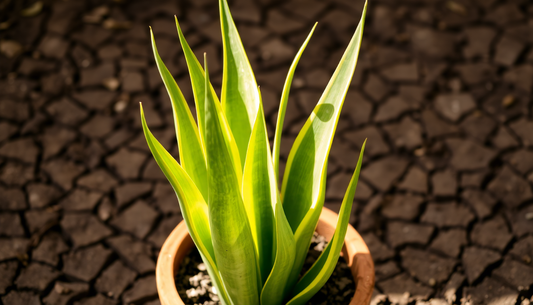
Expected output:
{"points": [[340, 287], [338, 290], [189, 268]]}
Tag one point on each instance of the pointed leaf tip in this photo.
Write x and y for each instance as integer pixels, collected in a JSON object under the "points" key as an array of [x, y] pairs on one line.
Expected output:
{"points": [[189, 143], [303, 186], [284, 101], [239, 95]]}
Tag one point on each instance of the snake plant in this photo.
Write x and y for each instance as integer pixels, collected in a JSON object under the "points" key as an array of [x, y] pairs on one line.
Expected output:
{"points": [[252, 236]]}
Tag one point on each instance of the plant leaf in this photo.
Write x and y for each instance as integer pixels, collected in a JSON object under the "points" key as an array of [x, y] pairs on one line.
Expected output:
{"points": [[230, 231], [240, 96], [303, 184], [260, 194], [285, 101], [275, 289], [190, 147], [322, 269], [192, 204], [197, 75]]}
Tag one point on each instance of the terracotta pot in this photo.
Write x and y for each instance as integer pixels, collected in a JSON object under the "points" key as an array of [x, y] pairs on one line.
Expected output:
{"points": [[355, 252]]}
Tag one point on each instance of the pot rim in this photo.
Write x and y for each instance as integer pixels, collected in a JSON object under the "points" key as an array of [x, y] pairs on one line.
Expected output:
{"points": [[354, 251]]}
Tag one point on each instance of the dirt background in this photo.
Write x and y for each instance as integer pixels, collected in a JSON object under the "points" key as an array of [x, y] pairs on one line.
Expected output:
{"points": [[442, 91]]}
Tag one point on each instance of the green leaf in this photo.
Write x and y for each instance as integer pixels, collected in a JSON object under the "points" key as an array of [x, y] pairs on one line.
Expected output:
{"points": [[276, 289], [303, 186], [303, 234], [197, 75], [272, 233], [260, 194], [322, 269], [230, 231], [240, 96], [285, 101], [190, 147], [192, 204]]}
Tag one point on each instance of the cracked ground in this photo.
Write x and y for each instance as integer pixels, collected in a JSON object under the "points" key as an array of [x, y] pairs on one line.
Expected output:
{"points": [[442, 91]]}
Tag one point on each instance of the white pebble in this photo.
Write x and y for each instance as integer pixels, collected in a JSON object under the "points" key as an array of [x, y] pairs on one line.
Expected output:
{"points": [[191, 293], [200, 290], [195, 280], [205, 283]]}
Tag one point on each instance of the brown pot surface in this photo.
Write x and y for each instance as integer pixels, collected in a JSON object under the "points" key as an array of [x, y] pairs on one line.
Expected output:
{"points": [[355, 252]]}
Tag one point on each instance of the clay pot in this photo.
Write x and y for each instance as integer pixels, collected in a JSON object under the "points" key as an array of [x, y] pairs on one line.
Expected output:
{"points": [[355, 252]]}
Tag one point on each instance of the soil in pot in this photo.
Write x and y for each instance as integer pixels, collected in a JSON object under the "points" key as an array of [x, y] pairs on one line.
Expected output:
{"points": [[194, 284]]}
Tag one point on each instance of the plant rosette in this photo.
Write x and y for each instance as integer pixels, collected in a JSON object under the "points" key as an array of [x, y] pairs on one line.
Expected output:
{"points": [[253, 235], [355, 252]]}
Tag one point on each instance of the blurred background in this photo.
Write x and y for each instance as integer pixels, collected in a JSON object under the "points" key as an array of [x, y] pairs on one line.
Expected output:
{"points": [[442, 91]]}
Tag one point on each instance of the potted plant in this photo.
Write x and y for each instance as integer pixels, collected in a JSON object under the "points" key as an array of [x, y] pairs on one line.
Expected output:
{"points": [[252, 236]]}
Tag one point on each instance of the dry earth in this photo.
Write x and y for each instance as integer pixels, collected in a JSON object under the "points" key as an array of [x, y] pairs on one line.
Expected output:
{"points": [[442, 91]]}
